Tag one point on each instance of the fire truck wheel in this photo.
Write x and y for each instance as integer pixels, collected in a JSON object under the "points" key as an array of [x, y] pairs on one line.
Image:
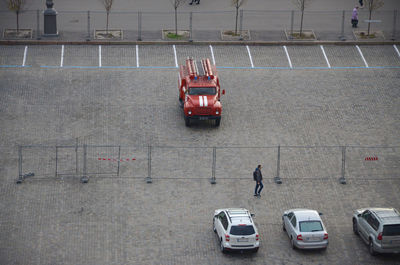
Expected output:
{"points": [[217, 122], [187, 121]]}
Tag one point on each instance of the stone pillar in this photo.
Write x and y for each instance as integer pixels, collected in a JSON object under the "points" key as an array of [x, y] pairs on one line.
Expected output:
{"points": [[50, 20]]}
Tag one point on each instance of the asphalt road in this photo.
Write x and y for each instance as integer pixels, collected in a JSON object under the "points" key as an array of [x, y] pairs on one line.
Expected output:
{"points": [[206, 5]]}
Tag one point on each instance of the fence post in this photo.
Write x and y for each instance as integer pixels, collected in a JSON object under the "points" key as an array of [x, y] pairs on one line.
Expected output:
{"points": [[139, 26], [342, 37], [119, 159], [291, 25], [278, 179], [148, 179], [342, 178], [85, 178], [241, 25], [213, 180], [20, 177], [191, 27], [56, 161], [88, 26], [37, 25], [76, 156], [394, 24]]}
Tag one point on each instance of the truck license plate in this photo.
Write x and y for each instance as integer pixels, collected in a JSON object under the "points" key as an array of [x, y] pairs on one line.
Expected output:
{"points": [[203, 118]]}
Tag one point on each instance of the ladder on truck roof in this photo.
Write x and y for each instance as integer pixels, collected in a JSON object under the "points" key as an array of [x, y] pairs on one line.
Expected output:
{"points": [[197, 69]]}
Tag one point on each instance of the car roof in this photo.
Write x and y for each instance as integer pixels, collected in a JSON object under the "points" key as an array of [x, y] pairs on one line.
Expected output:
{"points": [[238, 216], [387, 215], [305, 214]]}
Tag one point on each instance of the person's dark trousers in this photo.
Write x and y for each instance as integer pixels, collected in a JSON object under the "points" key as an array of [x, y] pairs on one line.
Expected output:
{"points": [[361, 2], [191, 2], [354, 22], [261, 186], [198, 2]]}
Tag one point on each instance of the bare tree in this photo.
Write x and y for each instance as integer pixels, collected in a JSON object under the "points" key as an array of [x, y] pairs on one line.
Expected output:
{"points": [[372, 5], [301, 5], [107, 5], [237, 4], [176, 4], [16, 6]]}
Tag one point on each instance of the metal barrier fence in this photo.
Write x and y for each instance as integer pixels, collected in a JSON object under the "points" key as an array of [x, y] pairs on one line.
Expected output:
{"points": [[212, 163], [205, 25]]}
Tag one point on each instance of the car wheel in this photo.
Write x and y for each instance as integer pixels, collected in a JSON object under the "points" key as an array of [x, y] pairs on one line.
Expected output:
{"points": [[292, 243], [283, 227], [221, 246], [187, 121], [217, 122], [214, 229], [371, 248], [355, 227]]}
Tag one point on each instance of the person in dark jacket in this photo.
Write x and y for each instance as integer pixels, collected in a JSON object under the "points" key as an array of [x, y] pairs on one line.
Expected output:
{"points": [[258, 179]]}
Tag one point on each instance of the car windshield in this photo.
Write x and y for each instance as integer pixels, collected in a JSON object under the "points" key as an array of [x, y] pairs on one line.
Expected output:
{"points": [[202, 91], [310, 226], [391, 230], [242, 230]]}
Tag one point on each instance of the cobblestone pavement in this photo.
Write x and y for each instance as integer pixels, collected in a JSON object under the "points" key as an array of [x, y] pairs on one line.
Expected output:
{"points": [[331, 97]]}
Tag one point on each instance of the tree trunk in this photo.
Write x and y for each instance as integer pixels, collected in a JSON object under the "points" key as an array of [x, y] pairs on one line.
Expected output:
{"points": [[108, 13], [237, 11], [301, 22], [17, 22], [369, 23], [176, 21]]}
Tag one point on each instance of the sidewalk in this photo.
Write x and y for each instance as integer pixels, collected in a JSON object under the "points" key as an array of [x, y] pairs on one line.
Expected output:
{"points": [[258, 37]]}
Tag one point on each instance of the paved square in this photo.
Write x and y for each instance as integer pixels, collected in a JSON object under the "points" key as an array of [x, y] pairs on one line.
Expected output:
{"points": [[117, 218]]}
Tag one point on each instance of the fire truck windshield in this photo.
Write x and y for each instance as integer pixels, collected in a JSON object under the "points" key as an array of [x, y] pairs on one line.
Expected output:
{"points": [[202, 90]]}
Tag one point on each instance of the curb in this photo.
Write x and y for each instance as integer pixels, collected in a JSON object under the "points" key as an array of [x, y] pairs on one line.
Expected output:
{"points": [[251, 43]]}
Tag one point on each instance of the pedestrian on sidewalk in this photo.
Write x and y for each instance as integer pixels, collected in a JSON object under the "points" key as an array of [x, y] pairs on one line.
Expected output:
{"points": [[257, 176], [361, 3], [354, 17]]}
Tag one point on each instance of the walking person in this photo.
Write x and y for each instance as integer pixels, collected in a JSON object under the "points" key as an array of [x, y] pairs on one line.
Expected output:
{"points": [[257, 175], [194, 1], [354, 17], [361, 3]]}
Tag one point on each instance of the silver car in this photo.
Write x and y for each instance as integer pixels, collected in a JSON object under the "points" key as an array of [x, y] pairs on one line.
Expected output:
{"points": [[379, 228], [305, 229]]}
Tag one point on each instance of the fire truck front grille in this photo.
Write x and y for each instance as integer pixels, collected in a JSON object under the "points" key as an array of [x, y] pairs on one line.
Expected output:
{"points": [[203, 111]]}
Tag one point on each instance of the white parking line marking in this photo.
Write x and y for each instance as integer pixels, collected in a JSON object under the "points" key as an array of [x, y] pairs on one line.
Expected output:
{"points": [[176, 59], [99, 55], [137, 56], [62, 56], [326, 58], [212, 54], [24, 60], [288, 57], [398, 53], [251, 59], [362, 56]]}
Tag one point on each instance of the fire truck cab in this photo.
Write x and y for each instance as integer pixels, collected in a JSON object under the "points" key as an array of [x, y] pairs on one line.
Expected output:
{"points": [[199, 91]]}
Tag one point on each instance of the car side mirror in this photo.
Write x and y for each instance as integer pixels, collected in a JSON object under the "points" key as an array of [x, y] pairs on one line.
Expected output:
{"points": [[253, 214], [359, 215], [320, 213], [285, 214], [223, 91]]}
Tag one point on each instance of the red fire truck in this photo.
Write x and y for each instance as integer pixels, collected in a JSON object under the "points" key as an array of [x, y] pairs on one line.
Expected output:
{"points": [[199, 91]]}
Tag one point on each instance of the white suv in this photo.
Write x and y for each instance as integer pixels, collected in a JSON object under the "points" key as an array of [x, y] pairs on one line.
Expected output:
{"points": [[235, 229]]}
